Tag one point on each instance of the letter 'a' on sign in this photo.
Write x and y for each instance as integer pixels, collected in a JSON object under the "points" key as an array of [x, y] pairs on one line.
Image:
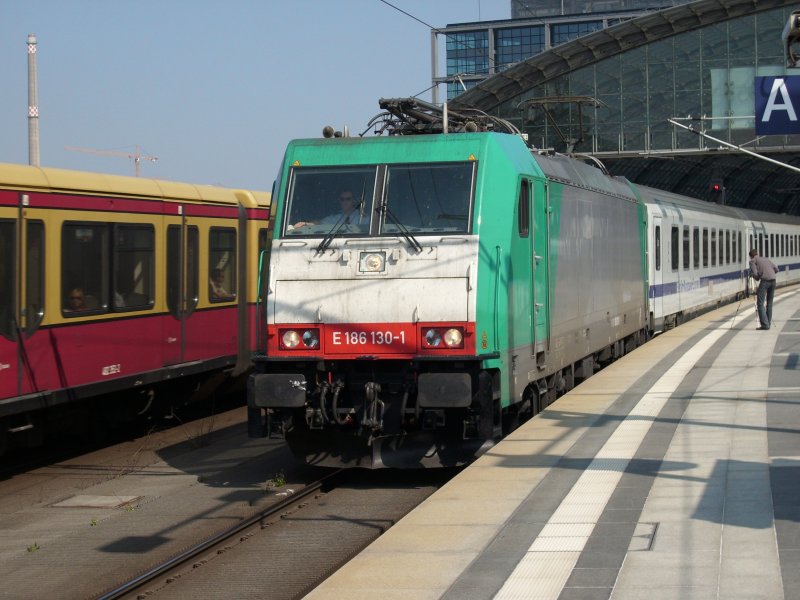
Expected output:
{"points": [[777, 102]]}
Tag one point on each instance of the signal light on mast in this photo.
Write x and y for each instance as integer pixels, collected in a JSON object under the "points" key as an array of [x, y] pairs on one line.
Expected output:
{"points": [[717, 191]]}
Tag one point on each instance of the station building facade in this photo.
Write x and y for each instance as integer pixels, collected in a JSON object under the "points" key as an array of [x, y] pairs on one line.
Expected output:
{"points": [[612, 92]]}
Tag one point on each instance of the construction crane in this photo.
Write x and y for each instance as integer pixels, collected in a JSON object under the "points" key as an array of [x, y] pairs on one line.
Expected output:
{"points": [[137, 156]]}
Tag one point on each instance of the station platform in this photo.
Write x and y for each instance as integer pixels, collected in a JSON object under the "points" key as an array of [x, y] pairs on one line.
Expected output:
{"points": [[673, 473]]}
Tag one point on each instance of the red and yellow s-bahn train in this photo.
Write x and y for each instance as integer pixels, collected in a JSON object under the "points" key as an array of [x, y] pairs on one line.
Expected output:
{"points": [[113, 284]]}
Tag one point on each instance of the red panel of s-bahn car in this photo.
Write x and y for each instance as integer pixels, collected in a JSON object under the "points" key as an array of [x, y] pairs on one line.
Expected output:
{"points": [[8, 368], [91, 352], [210, 333]]}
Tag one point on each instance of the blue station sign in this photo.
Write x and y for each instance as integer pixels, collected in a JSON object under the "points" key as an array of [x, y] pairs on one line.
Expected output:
{"points": [[777, 105]]}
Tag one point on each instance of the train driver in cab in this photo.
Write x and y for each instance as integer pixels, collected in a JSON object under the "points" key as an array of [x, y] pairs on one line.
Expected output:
{"points": [[350, 213]]}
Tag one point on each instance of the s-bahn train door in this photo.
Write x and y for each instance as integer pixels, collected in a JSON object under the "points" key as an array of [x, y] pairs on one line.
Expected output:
{"points": [[9, 371], [24, 348], [182, 285]]}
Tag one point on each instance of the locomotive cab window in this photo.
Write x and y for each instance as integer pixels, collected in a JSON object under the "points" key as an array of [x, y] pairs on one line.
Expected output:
{"points": [[427, 198], [323, 201]]}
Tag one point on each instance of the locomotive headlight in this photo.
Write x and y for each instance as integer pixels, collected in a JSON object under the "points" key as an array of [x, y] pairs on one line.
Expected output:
{"points": [[290, 338], [433, 337], [310, 339], [453, 338], [372, 262]]}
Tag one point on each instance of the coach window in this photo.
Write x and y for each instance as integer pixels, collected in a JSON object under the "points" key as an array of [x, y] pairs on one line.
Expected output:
{"points": [[34, 275], [739, 246], [133, 267], [686, 258], [706, 252], [523, 209], [84, 268], [222, 264], [674, 248], [696, 247], [727, 247], [714, 247], [658, 247], [7, 283]]}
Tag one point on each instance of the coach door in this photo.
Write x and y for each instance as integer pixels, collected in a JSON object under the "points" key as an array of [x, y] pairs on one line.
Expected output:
{"points": [[657, 270], [182, 274]]}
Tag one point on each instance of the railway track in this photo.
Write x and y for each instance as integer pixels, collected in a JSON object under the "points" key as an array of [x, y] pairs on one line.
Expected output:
{"points": [[166, 572], [287, 549]]}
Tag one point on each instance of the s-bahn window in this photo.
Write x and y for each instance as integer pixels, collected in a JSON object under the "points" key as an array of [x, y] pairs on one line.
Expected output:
{"points": [[427, 198], [727, 246], [183, 270], [133, 267], [686, 247], [674, 248], [706, 251], [34, 275], [523, 209], [322, 200], [696, 247], [8, 243], [222, 264], [657, 244], [85, 263]]}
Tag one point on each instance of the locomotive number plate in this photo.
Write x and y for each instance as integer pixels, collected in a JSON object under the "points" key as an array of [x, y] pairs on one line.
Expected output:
{"points": [[375, 338]]}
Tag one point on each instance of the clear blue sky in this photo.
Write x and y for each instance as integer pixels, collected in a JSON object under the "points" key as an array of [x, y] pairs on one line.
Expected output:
{"points": [[215, 90]]}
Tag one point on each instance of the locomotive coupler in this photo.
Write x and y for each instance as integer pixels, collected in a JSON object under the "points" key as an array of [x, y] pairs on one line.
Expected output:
{"points": [[373, 406]]}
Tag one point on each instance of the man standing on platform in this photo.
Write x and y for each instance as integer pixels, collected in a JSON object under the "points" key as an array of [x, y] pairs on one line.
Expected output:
{"points": [[764, 271]]}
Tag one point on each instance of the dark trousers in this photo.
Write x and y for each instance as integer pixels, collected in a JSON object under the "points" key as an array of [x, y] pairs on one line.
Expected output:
{"points": [[764, 295]]}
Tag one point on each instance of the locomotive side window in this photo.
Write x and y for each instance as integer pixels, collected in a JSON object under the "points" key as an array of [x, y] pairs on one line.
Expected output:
{"points": [[34, 275], [523, 209], [133, 267], [428, 198], [330, 199], [222, 264], [7, 261], [84, 268]]}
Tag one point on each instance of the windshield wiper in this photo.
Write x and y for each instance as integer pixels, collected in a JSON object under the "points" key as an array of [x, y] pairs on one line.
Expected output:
{"points": [[383, 208], [340, 222]]}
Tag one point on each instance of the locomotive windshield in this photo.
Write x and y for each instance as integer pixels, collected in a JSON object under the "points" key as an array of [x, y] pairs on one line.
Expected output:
{"points": [[416, 199]]}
